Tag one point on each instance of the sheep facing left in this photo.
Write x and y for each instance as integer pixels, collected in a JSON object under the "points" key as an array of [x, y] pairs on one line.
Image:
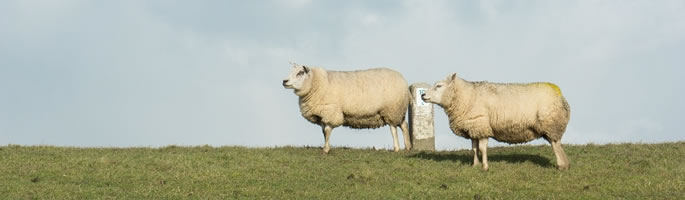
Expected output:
{"points": [[360, 99]]}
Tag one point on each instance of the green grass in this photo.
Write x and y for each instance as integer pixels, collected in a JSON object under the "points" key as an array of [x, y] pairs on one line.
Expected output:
{"points": [[631, 171]]}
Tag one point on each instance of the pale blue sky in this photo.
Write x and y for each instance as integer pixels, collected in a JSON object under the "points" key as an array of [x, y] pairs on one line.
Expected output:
{"points": [[155, 73]]}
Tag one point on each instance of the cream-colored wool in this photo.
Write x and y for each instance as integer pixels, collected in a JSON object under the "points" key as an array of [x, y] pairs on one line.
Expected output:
{"points": [[507, 112], [357, 99]]}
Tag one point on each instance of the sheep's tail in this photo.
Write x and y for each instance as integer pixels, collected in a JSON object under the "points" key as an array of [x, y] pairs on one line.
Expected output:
{"points": [[567, 107], [409, 101]]}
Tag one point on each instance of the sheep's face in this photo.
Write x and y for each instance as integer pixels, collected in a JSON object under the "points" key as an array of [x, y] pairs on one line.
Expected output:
{"points": [[435, 93], [298, 77]]}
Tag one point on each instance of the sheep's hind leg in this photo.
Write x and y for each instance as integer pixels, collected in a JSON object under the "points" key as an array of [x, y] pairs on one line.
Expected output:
{"points": [[405, 133], [395, 141], [562, 160], [474, 146], [327, 129], [483, 146]]}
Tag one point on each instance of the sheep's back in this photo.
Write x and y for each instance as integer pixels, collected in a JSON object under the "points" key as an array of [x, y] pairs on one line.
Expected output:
{"points": [[515, 110], [365, 93]]}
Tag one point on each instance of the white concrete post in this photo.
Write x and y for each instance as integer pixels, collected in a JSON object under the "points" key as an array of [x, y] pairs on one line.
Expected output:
{"points": [[421, 126]]}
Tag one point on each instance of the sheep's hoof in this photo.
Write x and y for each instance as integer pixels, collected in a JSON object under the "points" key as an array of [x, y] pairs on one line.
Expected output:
{"points": [[475, 164], [563, 167], [325, 151], [485, 168]]}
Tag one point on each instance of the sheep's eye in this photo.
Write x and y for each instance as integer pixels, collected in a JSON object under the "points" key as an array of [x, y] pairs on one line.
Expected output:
{"points": [[300, 73], [438, 86]]}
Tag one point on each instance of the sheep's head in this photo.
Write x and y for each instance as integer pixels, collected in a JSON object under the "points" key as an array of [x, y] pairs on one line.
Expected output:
{"points": [[298, 79], [435, 93]]}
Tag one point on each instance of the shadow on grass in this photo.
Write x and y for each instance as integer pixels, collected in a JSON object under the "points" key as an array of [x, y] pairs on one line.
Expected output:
{"points": [[468, 158]]}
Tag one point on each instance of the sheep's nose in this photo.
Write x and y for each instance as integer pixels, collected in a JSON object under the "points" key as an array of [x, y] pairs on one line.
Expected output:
{"points": [[285, 81], [423, 95]]}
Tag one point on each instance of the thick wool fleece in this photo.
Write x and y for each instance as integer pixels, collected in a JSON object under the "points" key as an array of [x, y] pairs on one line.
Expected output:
{"points": [[358, 99], [511, 113]]}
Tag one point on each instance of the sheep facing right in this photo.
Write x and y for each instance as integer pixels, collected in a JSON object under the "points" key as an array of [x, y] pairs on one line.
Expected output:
{"points": [[508, 112]]}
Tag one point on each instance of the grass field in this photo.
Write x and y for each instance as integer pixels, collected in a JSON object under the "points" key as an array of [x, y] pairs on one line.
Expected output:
{"points": [[631, 171]]}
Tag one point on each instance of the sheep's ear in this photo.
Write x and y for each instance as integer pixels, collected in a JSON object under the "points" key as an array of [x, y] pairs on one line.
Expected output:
{"points": [[306, 69], [453, 76]]}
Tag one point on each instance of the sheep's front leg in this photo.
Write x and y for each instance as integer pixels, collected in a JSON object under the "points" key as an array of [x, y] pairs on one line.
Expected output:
{"points": [[395, 141], [474, 146], [327, 129], [483, 146]]}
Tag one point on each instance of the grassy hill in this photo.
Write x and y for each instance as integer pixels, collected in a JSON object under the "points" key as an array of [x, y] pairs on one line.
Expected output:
{"points": [[633, 171]]}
